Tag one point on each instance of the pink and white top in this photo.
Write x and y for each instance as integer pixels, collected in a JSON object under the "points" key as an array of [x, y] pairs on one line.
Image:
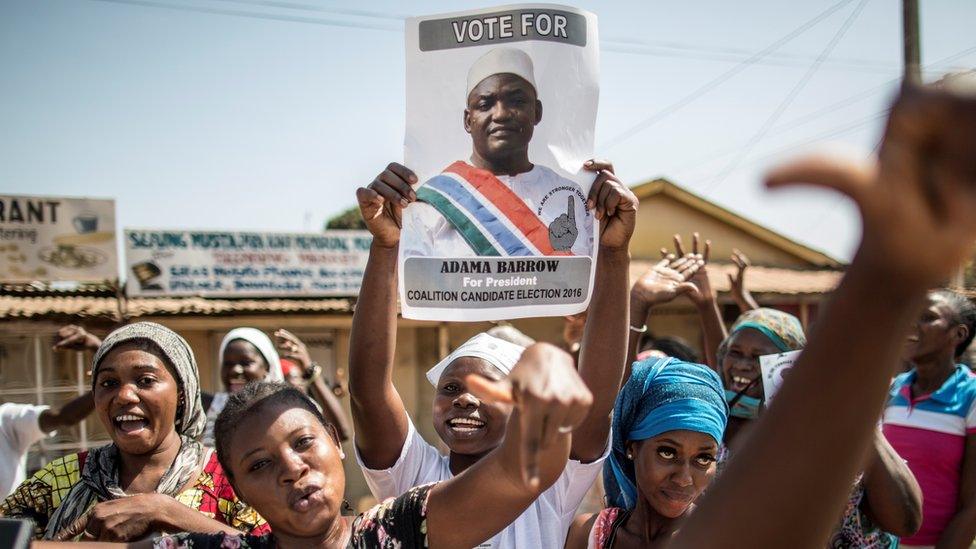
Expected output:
{"points": [[929, 432]]}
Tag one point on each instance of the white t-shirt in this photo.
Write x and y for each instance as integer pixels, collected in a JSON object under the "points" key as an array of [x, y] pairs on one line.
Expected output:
{"points": [[428, 234], [543, 525], [19, 429]]}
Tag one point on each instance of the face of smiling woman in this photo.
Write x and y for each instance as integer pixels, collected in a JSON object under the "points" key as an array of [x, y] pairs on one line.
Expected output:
{"points": [[740, 365], [673, 469], [136, 397], [466, 424], [241, 364], [288, 466]]}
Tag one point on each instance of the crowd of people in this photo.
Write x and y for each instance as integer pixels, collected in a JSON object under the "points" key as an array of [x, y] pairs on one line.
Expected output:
{"points": [[871, 441]]}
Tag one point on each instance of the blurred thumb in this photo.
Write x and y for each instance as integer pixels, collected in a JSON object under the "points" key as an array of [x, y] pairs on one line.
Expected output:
{"points": [[490, 391], [847, 176]]}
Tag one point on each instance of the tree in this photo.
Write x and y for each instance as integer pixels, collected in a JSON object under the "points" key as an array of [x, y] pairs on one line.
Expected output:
{"points": [[346, 220]]}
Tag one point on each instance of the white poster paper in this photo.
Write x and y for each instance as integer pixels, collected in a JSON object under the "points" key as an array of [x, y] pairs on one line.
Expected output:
{"points": [[163, 262], [774, 368], [54, 239], [501, 109]]}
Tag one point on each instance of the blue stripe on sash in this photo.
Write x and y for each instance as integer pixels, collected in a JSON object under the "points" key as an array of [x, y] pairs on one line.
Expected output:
{"points": [[483, 216]]}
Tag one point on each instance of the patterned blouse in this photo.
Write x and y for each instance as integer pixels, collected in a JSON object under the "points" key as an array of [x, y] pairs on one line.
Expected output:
{"points": [[397, 523], [38, 497], [856, 530]]}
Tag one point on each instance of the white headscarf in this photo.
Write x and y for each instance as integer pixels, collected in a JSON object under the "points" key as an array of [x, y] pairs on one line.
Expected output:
{"points": [[501, 354], [264, 346]]}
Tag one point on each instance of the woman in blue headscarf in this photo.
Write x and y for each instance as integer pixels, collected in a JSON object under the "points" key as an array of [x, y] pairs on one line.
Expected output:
{"points": [[668, 423]]}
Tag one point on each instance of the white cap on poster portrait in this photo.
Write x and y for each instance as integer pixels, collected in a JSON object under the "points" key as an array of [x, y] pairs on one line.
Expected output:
{"points": [[501, 61], [495, 351]]}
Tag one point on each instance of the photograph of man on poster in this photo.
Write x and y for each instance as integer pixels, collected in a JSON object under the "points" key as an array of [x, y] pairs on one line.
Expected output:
{"points": [[498, 203]]}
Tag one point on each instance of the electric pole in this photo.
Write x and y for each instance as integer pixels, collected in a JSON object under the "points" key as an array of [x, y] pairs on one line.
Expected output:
{"points": [[911, 42]]}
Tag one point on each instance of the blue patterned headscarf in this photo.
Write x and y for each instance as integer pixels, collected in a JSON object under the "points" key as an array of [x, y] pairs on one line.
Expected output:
{"points": [[662, 394]]}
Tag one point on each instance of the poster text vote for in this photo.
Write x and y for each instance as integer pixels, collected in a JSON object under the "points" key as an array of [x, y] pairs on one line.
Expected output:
{"points": [[505, 26]]}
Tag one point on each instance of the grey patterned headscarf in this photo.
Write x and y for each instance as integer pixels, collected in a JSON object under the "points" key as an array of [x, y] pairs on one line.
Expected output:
{"points": [[100, 477]]}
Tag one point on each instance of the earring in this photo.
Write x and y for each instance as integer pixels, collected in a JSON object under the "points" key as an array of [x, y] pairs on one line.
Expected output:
{"points": [[630, 456]]}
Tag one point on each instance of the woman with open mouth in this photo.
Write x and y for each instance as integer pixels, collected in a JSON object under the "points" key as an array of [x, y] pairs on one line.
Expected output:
{"points": [[394, 456], [667, 427], [284, 458], [930, 419], [886, 501], [155, 476]]}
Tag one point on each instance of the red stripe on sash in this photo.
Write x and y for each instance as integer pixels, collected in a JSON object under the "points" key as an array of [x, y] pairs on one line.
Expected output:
{"points": [[509, 204]]}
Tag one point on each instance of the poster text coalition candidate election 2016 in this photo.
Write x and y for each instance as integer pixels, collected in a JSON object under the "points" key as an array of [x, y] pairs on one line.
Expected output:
{"points": [[501, 109]]}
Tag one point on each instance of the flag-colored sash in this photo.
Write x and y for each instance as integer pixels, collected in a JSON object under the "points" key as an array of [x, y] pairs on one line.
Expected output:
{"points": [[491, 218]]}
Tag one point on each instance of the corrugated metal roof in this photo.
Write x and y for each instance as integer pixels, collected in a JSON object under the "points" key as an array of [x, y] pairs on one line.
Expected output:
{"points": [[137, 307], [82, 306], [13, 307], [27, 305]]}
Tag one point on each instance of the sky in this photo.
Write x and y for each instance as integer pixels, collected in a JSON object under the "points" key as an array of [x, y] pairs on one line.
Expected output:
{"points": [[267, 115]]}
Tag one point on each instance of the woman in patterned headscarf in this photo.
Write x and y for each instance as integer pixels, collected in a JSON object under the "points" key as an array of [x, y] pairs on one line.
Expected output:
{"points": [[155, 475], [756, 333], [885, 500]]}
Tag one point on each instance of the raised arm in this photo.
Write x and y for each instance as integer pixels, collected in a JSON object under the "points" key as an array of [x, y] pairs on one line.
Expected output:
{"points": [[706, 301], [740, 292], [603, 351], [293, 348], [893, 498], [69, 414], [916, 205], [661, 284], [76, 338], [378, 414], [550, 400]]}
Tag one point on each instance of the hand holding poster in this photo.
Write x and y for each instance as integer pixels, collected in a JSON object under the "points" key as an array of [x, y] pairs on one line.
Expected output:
{"points": [[774, 368], [501, 109]]}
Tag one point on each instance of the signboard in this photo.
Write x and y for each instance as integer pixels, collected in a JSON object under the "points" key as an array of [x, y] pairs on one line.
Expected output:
{"points": [[501, 111], [54, 238], [237, 264], [774, 368]]}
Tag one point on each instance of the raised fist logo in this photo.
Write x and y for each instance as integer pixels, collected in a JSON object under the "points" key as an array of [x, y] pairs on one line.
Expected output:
{"points": [[562, 230]]}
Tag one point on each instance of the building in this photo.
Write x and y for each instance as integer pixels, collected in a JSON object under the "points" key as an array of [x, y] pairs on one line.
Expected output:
{"points": [[785, 274]]}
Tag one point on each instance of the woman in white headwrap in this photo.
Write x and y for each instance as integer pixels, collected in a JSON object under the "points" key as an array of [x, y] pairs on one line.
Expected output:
{"points": [[246, 355], [155, 475]]}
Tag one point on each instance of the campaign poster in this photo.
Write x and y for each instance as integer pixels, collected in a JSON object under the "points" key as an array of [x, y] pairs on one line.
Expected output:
{"points": [[161, 262], [57, 239], [501, 110], [774, 369]]}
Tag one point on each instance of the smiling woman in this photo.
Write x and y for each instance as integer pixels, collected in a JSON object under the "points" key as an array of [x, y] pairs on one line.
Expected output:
{"points": [[155, 475]]}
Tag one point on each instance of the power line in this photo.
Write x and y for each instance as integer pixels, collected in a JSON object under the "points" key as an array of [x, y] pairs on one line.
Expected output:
{"points": [[833, 132], [321, 9], [720, 79], [237, 13], [819, 113], [614, 44], [791, 95]]}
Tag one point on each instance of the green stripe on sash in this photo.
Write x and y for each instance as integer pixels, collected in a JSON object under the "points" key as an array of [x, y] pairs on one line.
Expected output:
{"points": [[459, 221]]}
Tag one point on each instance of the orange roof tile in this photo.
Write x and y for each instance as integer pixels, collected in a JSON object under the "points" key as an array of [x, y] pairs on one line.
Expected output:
{"points": [[12, 307], [768, 280]]}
